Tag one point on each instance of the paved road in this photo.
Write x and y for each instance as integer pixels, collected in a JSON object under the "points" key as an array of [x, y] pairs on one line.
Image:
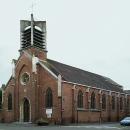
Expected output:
{"points": [[74, 127]]}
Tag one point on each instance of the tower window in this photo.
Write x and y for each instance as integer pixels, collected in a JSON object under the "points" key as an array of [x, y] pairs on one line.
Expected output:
{"points": [[49, 98], [80, 99], [10, 102]]}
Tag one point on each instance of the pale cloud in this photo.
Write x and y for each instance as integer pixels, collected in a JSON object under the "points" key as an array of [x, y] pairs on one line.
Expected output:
{"points": [[90, 34]]}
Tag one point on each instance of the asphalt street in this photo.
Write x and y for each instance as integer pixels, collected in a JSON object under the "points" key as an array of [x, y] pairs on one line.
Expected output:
{"points": [[113, 126]]}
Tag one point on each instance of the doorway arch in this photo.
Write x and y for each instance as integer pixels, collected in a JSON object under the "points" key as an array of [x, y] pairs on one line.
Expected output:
{"points": [[25, 111]]}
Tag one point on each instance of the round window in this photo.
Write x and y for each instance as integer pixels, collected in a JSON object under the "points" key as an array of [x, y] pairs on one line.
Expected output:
{"points": [[24, 78]]}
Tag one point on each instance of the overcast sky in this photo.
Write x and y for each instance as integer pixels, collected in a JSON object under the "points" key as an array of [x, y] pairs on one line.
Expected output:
{"points": [[93, 35]]}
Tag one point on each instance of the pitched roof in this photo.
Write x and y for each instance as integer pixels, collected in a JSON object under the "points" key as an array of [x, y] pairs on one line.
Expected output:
{"points": [[127, 91], [4, 86], [76, 75]]}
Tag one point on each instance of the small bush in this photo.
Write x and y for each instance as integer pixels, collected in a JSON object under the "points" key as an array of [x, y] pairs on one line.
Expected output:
{"points": [[42, 122]]}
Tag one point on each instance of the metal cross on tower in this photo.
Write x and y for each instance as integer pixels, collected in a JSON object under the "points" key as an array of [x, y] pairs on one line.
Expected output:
{"points": [[32, 7]]}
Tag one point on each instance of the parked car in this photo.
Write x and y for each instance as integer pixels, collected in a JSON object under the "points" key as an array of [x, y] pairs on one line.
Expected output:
{"points": [[125, 121]]}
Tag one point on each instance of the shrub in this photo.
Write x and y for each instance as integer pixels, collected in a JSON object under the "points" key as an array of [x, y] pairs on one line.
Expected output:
{"points": [[42, 122]]}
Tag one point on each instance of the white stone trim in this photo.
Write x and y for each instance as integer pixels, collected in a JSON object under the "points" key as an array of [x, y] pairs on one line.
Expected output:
{"points": [[29, 56], [21, 118], [13, 69], [92, 87], [59, 85], [32, 25], [35, 60], [48, 70], [87, 90]]}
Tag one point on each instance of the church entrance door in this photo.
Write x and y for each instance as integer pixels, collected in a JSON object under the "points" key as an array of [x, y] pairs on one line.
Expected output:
{"points": [[26, 111]]}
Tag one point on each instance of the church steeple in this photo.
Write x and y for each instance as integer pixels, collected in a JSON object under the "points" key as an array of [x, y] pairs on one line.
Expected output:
{"points": [[33, 34]]}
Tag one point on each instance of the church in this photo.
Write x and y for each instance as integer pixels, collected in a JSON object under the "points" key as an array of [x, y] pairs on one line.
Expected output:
{"points": [[43, 88]]}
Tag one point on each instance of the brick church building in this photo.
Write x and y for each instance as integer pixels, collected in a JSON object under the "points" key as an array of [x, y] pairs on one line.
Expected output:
{"points": [[43, 88]]}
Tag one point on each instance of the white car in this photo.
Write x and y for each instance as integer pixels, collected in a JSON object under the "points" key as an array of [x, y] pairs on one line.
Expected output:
{"points": [[125, 121]]}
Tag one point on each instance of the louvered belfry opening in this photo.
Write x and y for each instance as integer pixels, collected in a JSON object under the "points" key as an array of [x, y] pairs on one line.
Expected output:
{"points": [[38, 38], [33, 33], [26, 38]]}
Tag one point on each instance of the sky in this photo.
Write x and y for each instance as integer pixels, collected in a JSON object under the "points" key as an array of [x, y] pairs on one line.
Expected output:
{"points": [[93, 35]]}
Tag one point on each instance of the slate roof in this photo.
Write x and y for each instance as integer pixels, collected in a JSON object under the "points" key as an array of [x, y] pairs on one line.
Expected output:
{"points": [[76, 75], [127, 91]]}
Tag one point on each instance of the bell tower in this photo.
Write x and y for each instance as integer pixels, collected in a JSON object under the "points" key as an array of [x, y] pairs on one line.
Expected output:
{"points": [[33, 36]]}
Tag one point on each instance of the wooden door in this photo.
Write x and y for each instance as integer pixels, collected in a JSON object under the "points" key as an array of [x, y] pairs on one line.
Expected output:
{"points": [[26, 110]]}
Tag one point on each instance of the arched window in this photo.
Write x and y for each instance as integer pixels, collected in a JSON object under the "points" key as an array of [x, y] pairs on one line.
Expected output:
{"points": [[10, 102], [103, 101], [49, 98], [121, 103], [128, 103], [80, 99], [113, 102], [93, 106]]}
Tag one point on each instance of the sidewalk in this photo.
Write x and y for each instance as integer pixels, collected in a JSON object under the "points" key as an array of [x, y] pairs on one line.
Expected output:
{"points": [[24, 124], [30, 124]]}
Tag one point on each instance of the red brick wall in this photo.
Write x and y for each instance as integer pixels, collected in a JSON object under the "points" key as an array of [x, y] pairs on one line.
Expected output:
{"points": [[21, 91], [8, 115], [67, 102], [35, 91], [45, 81], [71, 114]]}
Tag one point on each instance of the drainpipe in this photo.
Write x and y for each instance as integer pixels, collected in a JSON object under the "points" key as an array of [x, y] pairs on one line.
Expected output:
{"points": [[73, 103], [100, 98], [109, 112]]}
